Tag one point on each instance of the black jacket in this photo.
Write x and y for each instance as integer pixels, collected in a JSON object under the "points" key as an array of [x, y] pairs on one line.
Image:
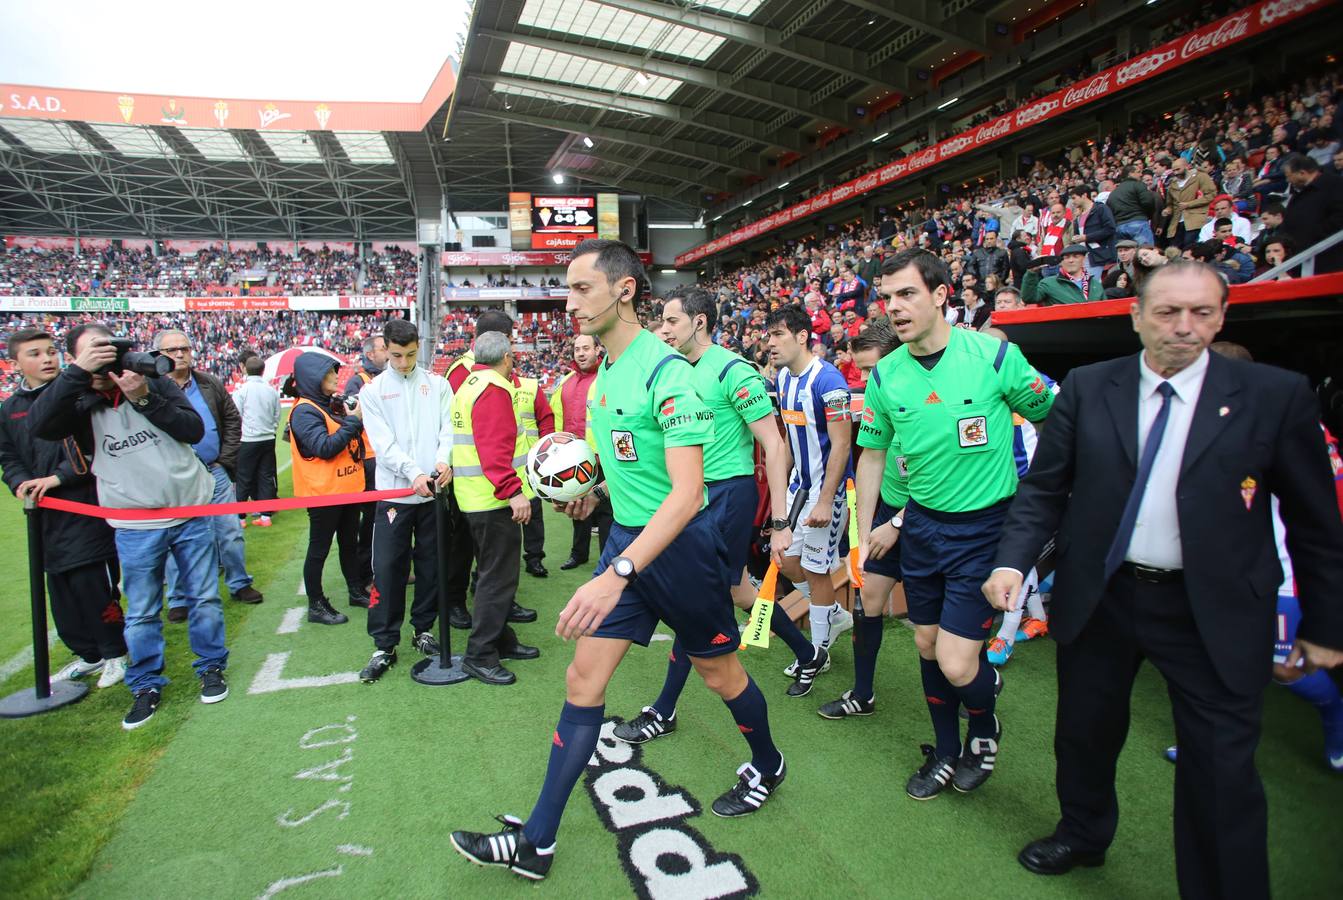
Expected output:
{"points": [[1100, 235], [1314, 212], [228, 421], [68, 540], [356, 383], [307, 426], [1131, 201], [1251, 421], [985, 262]]}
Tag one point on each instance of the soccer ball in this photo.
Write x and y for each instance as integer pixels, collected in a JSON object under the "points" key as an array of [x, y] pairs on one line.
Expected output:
{"points": [[561, 467]]}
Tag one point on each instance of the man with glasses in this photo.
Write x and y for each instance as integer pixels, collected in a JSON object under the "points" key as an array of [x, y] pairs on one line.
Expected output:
{"points": [[218, 450]]}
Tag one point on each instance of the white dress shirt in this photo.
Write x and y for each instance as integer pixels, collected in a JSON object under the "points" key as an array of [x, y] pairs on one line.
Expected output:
{"points": [[1156, 534]]}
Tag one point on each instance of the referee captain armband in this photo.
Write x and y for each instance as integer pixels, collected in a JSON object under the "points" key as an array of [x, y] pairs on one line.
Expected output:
{"points": [[757, 623]]}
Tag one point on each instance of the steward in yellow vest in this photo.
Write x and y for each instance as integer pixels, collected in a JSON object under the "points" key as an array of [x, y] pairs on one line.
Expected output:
{"points": [[328, 458], [489, 453]]}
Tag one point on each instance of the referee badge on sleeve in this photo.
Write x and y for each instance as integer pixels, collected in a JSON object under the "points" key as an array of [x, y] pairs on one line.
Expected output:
{"points": [[973, 431]]}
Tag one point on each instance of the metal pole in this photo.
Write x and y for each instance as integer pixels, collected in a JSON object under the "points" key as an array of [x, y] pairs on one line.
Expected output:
{"points": [[446, 669], [45, 695], [37, 589]]}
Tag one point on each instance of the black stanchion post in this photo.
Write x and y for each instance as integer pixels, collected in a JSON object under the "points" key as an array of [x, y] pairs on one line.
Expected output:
{"points": [[447, 669], [45, 695]]}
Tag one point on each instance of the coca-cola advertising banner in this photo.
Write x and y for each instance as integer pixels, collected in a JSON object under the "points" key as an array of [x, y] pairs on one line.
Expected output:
{"points": [[496, 259], [1197, 44]]}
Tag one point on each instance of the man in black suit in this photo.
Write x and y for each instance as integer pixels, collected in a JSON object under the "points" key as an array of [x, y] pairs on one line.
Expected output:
{"points": [[1155, 472]]}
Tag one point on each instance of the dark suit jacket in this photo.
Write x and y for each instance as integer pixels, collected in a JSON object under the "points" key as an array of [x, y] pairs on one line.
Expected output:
{"points": [[1085, 466]]}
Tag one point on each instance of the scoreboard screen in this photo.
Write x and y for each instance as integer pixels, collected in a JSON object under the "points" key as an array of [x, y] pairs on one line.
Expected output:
{"points": [[560, 223]]}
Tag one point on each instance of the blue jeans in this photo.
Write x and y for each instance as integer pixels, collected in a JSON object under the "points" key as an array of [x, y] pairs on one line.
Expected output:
{"points": [[228, 543], [1139, 230], [144, 555]]}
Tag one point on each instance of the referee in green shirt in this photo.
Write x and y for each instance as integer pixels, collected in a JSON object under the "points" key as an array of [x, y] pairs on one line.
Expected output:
{"points": [[947, 395], [742, 414], [664, 559]]}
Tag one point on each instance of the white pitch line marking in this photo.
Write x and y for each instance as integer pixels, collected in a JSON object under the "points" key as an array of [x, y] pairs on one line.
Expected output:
{"points": [[293, 618], [270, 677], [23, 659]]}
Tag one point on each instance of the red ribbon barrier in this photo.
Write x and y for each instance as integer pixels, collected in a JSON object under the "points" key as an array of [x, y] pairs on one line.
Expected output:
{"points": [[219, 509]]}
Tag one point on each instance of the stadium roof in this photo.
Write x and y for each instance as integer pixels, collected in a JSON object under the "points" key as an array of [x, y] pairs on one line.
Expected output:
{"points": [[682, 99]]}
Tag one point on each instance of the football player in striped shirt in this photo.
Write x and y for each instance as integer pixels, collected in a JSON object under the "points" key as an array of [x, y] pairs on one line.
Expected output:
{"points": [[814, 404]]}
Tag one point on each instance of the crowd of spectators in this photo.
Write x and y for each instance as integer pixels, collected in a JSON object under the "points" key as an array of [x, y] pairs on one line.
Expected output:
{"points": [[218, 338], [1240, 182], [124, 272]]}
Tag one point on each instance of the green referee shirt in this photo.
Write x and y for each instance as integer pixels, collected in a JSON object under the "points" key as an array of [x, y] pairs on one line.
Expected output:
{"points": [[955, 421], [643, 403], [895, 478], [736, 394]]}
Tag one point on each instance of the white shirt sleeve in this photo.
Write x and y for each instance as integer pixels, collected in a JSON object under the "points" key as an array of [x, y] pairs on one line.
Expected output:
{"points": [[383, 438]]}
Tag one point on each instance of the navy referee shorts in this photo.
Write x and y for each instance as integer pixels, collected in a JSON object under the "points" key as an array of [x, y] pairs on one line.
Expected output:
{"points": [[888, 565], [686, 587], [945, 559], [732, 503]]}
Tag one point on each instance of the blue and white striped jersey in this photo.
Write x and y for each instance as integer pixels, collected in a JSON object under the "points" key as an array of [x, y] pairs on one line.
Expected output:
{"points": [[807, 402]]}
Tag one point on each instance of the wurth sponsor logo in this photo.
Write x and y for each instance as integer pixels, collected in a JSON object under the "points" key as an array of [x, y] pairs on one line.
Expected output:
{"points": [[1231, 30], [1143, 66], [993, 131], [1096, 87], [1272, 12], [1035, 112]]}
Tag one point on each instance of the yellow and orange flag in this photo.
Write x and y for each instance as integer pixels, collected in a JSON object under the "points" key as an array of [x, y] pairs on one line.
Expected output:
{"points": [[757, 624]]}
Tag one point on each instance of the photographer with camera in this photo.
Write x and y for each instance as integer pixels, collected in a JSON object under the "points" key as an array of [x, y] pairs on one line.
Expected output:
{"points": [[218, 449], [79, 553], [139, 427], [327, 450]]}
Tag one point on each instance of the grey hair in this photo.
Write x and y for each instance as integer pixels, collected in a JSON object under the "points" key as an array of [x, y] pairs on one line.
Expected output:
{"points": [[491, 347], [160, 335], [371, 342]]}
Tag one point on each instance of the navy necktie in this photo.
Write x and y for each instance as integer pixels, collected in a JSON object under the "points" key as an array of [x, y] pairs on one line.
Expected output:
{"points": [[1130, 517]]}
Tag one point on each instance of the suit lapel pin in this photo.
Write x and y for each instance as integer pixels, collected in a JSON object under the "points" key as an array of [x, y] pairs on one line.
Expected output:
{"points": [[1224, 410], [1247, 489]]}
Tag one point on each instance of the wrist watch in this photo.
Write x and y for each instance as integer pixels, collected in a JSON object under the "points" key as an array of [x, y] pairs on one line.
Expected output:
{"points": [[142, 402], [778, 524], [624, 567]]}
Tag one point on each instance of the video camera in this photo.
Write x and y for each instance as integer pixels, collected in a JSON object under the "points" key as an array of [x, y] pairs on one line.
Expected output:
{"points": [[152, 365]]}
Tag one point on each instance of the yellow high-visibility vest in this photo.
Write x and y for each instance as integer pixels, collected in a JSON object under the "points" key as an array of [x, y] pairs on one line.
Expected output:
{"points": [[474, 491], [524, 404]]}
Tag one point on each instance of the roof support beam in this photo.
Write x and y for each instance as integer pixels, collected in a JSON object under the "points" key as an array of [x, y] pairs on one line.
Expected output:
{"points": [[837, 58], [920, 15], [704, 153], [791, 99], [732, 127]]}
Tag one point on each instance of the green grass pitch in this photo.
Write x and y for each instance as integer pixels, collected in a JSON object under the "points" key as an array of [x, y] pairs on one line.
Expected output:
{"points": [[351, 790]]}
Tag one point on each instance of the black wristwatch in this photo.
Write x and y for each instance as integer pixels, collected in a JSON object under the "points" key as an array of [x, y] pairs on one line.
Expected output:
{"points": [[778, 524], [624, 567]]}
